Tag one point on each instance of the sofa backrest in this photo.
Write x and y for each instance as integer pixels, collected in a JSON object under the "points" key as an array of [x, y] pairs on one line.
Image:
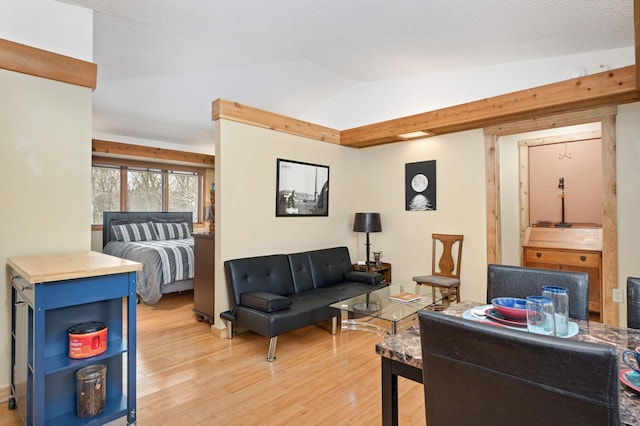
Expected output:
{"points": [[328, 266], [301, 271], [270, 274]]}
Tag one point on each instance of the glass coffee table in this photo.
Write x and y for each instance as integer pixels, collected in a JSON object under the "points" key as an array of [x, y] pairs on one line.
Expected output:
{"points": [[360, 312]]}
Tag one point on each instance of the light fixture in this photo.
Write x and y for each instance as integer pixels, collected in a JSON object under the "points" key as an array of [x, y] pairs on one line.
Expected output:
{"points": [[367, 222], [418, 134]]}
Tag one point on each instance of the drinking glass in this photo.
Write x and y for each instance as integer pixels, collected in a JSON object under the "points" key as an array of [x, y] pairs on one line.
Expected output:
{"points": [[631, 357], [560, 298], [540, 317]]}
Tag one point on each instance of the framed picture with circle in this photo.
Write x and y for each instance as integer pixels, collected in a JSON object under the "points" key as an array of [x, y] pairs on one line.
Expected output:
{"points": [[420, 186]]}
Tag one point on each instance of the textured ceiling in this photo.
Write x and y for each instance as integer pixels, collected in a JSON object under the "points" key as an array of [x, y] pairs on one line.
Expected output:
{"points": [[162, 62]]}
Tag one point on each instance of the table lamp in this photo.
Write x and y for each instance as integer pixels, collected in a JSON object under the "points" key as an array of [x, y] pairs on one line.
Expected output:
{"points": [[367, 222], [562, 194]]}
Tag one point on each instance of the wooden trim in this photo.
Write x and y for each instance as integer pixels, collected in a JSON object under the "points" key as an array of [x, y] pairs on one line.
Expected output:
{"points": [[591, 115], [523, 178], [572, 137], [492, 166], [117, 148], [97, 160], [607, 88], [41, 63], [609, 221], [234, 111]]}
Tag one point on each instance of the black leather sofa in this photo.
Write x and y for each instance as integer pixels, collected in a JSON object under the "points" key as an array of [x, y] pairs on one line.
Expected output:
{"points": [[278, 293]]}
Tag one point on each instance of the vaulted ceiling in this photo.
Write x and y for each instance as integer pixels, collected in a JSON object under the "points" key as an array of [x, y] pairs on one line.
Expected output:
{"points": [[162, 62]]}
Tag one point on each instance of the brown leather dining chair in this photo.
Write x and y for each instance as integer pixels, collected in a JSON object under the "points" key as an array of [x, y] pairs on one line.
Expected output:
{"points": [[479, 374], [445, 274], [633, 302], [520, 281]]}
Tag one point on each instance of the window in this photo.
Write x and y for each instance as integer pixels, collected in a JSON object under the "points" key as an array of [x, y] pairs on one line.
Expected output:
{"points": [[124, 185]]}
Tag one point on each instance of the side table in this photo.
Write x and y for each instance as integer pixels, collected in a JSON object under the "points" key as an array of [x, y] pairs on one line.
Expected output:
{"points": [[385, 270], [204, 279]]}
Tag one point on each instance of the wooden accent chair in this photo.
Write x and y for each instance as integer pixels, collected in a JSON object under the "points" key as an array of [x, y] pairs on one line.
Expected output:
{"points": [[633, 302], [479, 374], [445, 274]]}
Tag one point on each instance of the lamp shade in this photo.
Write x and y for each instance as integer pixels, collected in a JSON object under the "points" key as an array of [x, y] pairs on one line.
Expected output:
{"points": [[367, 222]]}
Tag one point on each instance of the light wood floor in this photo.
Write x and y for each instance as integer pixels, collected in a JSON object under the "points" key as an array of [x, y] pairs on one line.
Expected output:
{"points": [[186, 376]]}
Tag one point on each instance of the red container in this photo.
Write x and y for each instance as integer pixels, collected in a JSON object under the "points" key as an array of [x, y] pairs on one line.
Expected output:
{"points": [[87, 339]]}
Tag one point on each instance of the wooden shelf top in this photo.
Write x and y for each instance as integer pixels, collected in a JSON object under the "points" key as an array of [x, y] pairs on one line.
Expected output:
{"points": [[564, 238], [57, 267]]}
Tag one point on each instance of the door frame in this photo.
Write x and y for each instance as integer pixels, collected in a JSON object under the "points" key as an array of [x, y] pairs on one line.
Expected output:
{"points": [[607, 118]]}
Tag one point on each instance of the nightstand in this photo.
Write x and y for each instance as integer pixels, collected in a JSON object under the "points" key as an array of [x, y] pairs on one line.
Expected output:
{"points": [[204, 279]]}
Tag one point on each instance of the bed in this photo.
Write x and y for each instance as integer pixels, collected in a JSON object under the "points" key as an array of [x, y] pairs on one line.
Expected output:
{"points": [[161, 241]]}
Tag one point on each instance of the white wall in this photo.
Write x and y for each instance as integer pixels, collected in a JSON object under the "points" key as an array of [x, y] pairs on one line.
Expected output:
{"points": [[49, 25], [405, 240], [628, 191], [45, 149]]}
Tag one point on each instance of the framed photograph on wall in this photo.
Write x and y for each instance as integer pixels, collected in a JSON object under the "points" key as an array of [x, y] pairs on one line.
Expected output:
{"points": [[302, 189], [420, 185]]}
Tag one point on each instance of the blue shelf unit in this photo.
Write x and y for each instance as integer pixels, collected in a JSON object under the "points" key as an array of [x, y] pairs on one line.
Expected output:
{"points": [[43, 381]]}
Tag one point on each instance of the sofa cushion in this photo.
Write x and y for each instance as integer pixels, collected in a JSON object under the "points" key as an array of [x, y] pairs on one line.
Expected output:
{"points": [[267, 302], [328, 266], [301, 271], [268, 274], [364, 277]]}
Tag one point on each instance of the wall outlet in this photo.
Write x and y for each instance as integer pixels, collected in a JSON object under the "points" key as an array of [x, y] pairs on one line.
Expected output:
{"points": [[617, 295]]}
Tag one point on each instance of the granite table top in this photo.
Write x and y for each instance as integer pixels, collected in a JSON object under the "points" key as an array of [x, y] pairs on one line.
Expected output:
{"points": [[405, 347]]}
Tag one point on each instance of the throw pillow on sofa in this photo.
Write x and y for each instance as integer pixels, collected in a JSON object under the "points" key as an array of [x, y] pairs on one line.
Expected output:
{"points": [[364, 277], [267, 302]]}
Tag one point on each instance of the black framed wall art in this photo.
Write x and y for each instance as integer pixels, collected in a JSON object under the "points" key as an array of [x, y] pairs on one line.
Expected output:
{"points": [[420, 185], [302, 189]]}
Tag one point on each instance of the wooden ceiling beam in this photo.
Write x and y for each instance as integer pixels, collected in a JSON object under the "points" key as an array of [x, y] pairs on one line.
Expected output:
{"points": [[130, 150], [234, 111], [41, 63], [607, 88]]}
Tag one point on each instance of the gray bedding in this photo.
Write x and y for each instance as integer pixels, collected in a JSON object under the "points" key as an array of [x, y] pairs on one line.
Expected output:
{"points": [[163, 262]]}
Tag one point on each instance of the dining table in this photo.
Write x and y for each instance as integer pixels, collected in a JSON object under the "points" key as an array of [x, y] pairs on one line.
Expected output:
{"points": [[401, 356]]}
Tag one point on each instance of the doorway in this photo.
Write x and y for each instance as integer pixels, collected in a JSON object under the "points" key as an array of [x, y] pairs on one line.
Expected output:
{"points": [[503, 224]]}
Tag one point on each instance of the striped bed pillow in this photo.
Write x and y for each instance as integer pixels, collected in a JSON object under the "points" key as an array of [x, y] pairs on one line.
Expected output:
{"points": [[134, 232], [172, 231]]}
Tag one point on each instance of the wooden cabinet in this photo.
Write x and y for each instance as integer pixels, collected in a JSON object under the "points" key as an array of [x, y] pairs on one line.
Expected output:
{"points": [[50, 294], [385, 270], [203, 285], [568, 250]]}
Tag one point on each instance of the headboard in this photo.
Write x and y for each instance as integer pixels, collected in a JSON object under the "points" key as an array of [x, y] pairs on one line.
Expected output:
{"points": [[108, 217]]}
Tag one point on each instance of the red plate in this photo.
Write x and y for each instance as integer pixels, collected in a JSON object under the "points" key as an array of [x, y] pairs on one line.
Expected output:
{"points": [[497, 316], [631, 379]]}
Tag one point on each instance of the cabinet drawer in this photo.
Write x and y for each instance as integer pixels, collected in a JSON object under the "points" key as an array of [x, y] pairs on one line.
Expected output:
{"points": [[563, 257]]}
